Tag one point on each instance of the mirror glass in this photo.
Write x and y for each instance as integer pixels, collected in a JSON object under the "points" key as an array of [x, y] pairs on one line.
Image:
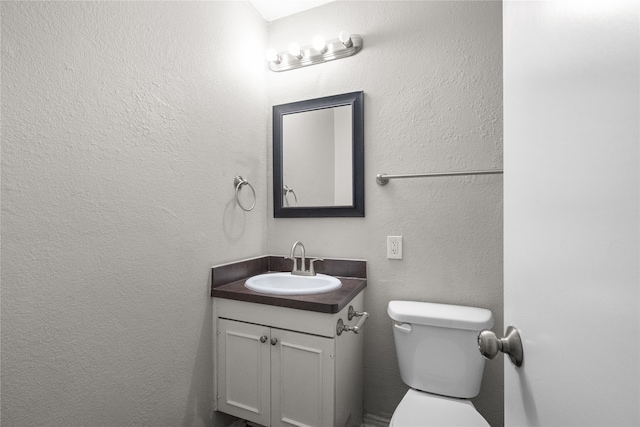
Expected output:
{"points": [[316, 157], [318, 149]]}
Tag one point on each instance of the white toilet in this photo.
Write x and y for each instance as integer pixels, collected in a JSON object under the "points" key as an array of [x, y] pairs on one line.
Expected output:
{"points": [[438, 357]]}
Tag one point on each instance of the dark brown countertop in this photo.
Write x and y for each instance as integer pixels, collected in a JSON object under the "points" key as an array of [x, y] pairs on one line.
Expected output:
{"points": [[228, 282], [330, 302]]}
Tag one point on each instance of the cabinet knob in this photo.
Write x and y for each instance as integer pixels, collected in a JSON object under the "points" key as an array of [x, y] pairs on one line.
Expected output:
{"points": [[263, 338], [274, 341]]}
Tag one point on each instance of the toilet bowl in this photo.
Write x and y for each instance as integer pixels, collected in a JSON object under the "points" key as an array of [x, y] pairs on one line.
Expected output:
{"points": [[439, 359], [422, 409]]}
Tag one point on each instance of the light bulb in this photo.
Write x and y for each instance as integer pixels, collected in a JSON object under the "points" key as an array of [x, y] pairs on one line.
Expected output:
{"points": [[272, 56], [345, 38], [294, 50], [319, 44]]}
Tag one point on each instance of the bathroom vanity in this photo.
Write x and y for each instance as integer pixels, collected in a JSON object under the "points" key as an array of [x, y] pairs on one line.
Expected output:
{"points": [[284, 360]]}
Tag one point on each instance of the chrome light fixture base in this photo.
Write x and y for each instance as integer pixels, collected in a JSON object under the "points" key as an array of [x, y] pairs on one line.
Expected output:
{"points": [[335, 49]]}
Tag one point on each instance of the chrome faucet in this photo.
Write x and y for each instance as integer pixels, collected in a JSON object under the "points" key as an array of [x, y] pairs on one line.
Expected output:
{"points": [[302, 271]]}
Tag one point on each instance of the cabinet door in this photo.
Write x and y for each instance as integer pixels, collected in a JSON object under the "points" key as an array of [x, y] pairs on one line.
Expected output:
{"points": [[244, 370], [302, 379]]}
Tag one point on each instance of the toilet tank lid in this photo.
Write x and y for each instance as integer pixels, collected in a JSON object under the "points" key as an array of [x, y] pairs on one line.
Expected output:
{"points": [[442, 315]]}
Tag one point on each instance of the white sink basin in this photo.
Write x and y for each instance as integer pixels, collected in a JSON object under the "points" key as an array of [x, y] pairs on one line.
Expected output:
{"points": [[289, 284]]}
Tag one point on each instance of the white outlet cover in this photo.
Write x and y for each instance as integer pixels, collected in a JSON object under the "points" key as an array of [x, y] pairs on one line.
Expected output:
{"points": [[394, 247]]}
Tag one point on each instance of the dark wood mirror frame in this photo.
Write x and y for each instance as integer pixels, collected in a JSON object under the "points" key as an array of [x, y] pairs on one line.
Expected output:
{"points": [[356, 100]]}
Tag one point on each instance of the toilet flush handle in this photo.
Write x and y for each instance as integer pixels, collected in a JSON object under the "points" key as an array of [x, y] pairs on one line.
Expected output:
{"points": [[490, 345], [403, 327]]}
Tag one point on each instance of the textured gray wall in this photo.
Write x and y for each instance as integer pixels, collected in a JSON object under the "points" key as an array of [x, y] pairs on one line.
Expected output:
{"points": [[432, 77], [123, 126]]}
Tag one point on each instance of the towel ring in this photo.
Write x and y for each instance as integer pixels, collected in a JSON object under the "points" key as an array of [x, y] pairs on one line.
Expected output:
{"points": [[239, 182], [288, 190]]}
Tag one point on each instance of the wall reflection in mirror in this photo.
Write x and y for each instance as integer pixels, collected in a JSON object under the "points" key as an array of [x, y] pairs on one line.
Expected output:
{"points": [[318, 157]]}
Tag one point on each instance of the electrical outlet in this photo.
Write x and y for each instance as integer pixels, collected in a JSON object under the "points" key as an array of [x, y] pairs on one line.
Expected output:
{"points": [[394, 247]]}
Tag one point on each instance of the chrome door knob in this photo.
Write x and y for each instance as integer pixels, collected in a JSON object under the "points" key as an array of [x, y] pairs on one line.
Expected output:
{"points": [[490, 345], [274, 341], [263, 339]]}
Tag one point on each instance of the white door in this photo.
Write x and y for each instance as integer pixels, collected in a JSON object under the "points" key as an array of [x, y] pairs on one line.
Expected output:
{"points": [[572, 198]]}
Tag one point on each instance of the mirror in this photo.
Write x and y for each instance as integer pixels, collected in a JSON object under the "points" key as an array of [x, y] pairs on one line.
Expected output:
{"points": [[318, 157]]}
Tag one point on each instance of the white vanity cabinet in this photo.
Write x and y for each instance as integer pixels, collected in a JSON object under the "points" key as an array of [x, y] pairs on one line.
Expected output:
{"points": [[278, 366], [275, 377]]}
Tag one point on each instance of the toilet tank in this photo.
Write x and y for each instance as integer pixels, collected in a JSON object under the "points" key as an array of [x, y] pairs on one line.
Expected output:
{"points": [[437, 346]]}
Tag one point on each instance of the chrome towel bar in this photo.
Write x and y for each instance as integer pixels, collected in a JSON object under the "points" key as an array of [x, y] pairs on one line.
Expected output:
{"points": [[341, 327], [383, 178]]}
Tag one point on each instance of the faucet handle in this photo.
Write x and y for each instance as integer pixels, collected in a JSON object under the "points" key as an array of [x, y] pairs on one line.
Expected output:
{"points": [[295, 262], [311, 268]]}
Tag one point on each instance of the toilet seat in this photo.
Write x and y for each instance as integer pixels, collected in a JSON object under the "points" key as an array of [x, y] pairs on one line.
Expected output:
{"points": [[420, 409]]}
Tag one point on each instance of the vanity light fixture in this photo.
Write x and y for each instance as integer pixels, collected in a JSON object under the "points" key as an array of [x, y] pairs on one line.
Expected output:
{"points": [[318, 52], [345, 38], [272, 56], [320, 44], [295, 51]]}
